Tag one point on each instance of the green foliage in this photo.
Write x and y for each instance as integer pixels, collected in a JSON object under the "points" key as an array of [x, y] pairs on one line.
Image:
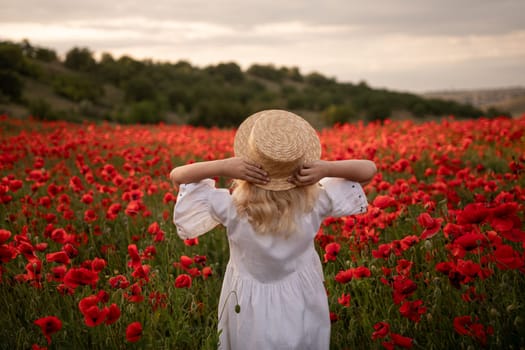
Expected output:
{"points": [[80, 59], [77, 87], [10, 85], [223, 91], [339, 114], [145, 111]]}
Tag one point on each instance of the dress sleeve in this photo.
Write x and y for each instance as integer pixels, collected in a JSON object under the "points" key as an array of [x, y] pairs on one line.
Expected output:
{"points": [[192, 214], [345, 197]]}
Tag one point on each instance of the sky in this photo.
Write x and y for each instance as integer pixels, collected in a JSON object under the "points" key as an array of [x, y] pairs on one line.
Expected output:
{"points": [[416, 46]]}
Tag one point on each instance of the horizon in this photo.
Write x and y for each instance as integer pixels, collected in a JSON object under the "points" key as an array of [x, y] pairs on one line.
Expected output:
{"points": [[418, 48]]}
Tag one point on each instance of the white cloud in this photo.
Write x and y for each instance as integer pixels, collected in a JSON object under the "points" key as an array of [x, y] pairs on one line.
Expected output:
{"points": [[376, 41]]}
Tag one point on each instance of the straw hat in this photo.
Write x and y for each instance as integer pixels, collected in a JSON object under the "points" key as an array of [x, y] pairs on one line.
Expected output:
{"points": [[280, 142]]}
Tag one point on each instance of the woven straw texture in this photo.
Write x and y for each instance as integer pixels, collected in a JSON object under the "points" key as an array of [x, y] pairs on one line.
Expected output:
{"points": [[279, 141]]}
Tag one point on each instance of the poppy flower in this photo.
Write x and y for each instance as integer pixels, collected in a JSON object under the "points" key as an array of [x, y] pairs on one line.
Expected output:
{"points": [[59, 257], [134, 332], [383, 202], [401, 341], [4, 235], [473, 213], [360, 272], [141, 272], [403, 287], [94, 316], [412, 310], [49, 326], [344, 276], [185, 261], [206, 272], [507, 258], [332, 249], [430, 224], [119, 281], [80, 277], [135, 295], [381, 330], [113, 314], [98, 264], [183, 281], [344, 300]]}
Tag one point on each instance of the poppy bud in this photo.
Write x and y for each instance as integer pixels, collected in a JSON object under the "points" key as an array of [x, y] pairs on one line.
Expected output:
{"points": [[237, 308], [494, 312], [518, 321]]}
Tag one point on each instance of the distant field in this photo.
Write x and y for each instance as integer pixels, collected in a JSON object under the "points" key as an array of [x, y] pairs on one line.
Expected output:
{"points": [[506, 99]]}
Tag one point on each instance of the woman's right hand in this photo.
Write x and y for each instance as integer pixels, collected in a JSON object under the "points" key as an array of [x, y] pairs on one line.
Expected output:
{"points": [[309, 173]]}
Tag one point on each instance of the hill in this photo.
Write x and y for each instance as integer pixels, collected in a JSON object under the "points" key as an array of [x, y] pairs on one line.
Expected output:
{"points": [[34, 81]]}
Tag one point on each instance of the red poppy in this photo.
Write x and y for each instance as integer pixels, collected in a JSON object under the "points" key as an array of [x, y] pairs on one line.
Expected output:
{"points": [[113, 314], [430, 224], [473, 213], [85, 303], [90, 215], [383, 202], [113, 210], [94, 316], [119, 281], [4, 235], [183, 281], [49, 326], [504, 217], [191, 241], [412, 310], [136, 294], [133, 332], [507, 258], [98, 264], [464, 325], [403, 287], [344, 276], [59, 257], [80, 277], [133, 252], [360, 272], [381, 330], [401, 341], [332, 249], [185, 261], [206, 272], [344, 300], [141, 272]]}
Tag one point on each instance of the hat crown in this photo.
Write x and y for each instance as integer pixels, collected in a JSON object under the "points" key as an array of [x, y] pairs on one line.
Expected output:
{"points": [[280, 142], [277, 136]]}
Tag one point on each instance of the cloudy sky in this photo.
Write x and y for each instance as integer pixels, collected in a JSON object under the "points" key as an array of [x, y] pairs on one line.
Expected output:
{"points": [[417, 46]]}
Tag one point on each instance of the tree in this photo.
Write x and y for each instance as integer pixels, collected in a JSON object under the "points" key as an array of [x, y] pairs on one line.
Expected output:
{"points": [[10, 85], [229, 72], [11, 57], [139, 88], [80, 59]]}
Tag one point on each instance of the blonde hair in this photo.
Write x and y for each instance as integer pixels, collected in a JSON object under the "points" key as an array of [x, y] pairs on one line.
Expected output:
{"points": [[273, 212]]}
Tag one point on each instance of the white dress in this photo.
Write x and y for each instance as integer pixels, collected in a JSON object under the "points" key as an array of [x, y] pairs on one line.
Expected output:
{"points": [[277, 282]]}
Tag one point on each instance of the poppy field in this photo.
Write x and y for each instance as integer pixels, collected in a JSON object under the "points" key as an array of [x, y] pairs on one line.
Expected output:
{"points": [[90, 258]]}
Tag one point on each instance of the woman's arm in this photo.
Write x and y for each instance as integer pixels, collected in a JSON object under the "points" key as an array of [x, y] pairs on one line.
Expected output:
{"points": [[358, 170], [234, 167]]}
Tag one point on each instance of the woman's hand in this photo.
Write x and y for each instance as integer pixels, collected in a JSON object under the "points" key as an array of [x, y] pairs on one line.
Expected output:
{"points": [[239, 168], [309, 173]]}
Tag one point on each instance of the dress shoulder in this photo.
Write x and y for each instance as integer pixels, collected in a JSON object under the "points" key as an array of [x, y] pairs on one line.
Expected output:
{"points": [[199, 208], [342, 197]]}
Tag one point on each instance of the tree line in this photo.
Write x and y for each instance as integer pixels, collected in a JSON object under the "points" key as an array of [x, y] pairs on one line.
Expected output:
{"points": [[127, 90]]}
